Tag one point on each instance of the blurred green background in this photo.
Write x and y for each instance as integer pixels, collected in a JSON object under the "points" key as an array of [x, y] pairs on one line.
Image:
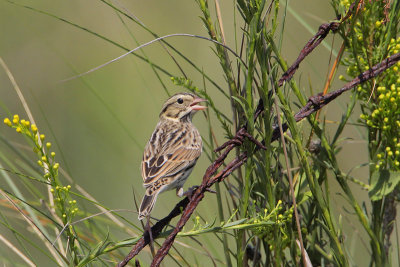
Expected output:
{"points": [[103, 120]]}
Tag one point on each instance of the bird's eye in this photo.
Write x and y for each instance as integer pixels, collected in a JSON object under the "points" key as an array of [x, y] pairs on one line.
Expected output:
{"points": [[180, 100]]}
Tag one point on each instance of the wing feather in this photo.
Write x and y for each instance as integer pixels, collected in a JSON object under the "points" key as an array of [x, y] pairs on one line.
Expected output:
{"points": [[169, 152]]}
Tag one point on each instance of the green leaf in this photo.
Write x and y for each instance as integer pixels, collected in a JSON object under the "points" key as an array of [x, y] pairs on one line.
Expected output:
{"points": [[243, 103], [97, 251], [235, 223], [382, 183]]}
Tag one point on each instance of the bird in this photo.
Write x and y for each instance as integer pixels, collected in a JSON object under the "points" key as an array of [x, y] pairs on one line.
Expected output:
{"points": [[172, 151]]}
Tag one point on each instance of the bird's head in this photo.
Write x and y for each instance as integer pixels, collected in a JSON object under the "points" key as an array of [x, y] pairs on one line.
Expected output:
{"points": [[181, 106]]}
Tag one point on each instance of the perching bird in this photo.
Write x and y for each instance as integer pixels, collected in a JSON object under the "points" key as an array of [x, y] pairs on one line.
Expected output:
{"points": [[172, 151]]}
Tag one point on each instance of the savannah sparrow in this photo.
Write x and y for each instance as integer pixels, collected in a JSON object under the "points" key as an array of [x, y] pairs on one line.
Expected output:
{"points": [[172, 151]]}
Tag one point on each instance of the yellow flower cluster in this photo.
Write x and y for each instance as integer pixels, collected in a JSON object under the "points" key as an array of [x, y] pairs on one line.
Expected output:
{"points": [[345, 4], [21, 125], [66, 207], [380, 99], [383, 115], [281, 218]]}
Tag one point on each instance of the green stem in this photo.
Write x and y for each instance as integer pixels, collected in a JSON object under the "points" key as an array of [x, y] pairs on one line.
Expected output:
{"points": [[315, 187]]}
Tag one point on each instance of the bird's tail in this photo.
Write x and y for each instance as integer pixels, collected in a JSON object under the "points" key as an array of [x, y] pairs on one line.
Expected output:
{"points": [[147, 205]]}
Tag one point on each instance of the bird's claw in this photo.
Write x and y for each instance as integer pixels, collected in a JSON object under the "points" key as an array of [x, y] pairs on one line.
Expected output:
{"points": [[188, 193]]}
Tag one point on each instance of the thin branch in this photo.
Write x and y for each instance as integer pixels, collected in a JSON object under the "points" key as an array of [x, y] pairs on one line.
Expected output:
{"points": [[149, 43], [323, 31], [318, 101], [156, 230]]}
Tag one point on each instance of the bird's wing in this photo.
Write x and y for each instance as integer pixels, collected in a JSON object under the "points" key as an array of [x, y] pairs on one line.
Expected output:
{"points": [[170, 159]]}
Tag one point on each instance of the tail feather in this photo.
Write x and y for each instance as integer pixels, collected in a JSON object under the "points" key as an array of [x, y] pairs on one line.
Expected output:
{"points": [[147, 205]]}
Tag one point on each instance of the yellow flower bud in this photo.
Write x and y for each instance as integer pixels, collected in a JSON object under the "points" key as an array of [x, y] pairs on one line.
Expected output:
{"points": [[48, 144], [34, 128], [18, 129], [53, 154], [7, 121], [42, 136]]}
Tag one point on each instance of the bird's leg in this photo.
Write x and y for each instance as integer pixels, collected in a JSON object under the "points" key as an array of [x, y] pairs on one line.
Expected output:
{"points": [[179, 192], [148, 228], [190, 191]]}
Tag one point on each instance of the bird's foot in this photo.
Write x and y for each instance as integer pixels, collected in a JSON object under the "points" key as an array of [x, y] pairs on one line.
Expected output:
{"points": [[179, 192], [190, 191]]}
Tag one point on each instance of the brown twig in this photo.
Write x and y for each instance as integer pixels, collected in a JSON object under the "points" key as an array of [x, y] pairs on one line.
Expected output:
{"points": [[156, 230], [317, 102], [323, 31]]}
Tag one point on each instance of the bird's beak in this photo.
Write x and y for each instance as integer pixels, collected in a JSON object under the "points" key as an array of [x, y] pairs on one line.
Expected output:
{"points": [[195, 102]]}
